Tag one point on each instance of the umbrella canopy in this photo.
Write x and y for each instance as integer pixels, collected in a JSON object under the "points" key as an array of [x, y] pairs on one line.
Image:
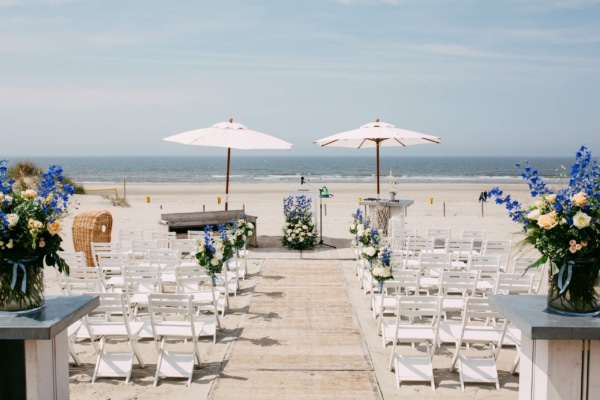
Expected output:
{"points": [[231, 135], [377, 134]]}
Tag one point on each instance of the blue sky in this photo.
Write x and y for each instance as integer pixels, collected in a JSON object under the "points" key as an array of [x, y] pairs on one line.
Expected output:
{"points": [[107, 77]]}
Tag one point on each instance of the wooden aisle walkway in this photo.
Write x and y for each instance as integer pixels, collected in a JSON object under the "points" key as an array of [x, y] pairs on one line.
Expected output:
{"points": [[299, 339]]}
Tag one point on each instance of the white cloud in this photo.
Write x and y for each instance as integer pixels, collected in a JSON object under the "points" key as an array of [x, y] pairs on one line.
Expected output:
{"points": [[112, 39]]}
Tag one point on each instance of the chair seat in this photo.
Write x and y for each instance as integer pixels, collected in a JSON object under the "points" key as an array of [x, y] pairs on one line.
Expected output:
{"points": [[115, 364], [177, 329], [176, 364], [411, 368], [115, 329], [477, 369]]}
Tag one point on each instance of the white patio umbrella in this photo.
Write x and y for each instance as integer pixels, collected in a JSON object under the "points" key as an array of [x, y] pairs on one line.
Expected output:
{"points": [[231, 135], [377, 134]]}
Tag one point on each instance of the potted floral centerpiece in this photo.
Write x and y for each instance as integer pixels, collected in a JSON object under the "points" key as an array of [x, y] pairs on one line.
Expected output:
{"points": [[564, 225], [29, 236], [393, 193], [299, 232], [369, 238], [241, 230], [381, 270], [214, 250]]}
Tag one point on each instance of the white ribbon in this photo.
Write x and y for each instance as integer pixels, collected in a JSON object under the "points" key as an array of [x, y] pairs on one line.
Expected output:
{"points": [[19, 264]]}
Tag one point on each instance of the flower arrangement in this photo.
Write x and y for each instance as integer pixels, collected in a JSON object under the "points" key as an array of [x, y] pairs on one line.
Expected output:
{"points": [[29, 234], [299, 231], [393, 191], [214, 250], [564, 226], [382, 270], [369, 238], [240, 231], [358, 224]]}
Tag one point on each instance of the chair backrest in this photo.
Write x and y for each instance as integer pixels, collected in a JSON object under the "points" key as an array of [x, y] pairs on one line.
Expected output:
{"points": [[459, 248], [502, 248], [164, 257], [188, 247], [140, 247], [478, 236], [478, 312], [112, 304], [485, 265], [73, 258], [405, 281], [189, 279], [172, 315], [82, 280], [461, 283], [519, 266], [513, 284], [127, 235], [434, 263], [104, 247], [142, 279], [112, 263], [163, 238], [418, 308], [439, 234]]}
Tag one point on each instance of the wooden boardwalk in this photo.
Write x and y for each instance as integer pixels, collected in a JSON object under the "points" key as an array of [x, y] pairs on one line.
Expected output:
{"points": [[299, 339]]}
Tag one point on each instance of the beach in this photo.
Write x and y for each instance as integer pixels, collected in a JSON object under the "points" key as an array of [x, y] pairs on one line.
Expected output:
{"points": [[454, 206]]}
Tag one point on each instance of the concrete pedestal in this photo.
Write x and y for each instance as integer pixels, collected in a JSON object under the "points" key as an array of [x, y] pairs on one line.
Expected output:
{"points": [[560, 355], [35, 347]]}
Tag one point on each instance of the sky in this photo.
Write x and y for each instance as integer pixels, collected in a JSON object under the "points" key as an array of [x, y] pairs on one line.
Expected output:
{"points": [[114, 77]]}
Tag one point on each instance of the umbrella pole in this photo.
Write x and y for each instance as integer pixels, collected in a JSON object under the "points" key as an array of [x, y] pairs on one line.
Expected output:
{"points": [[377, 151], [227, 179]]}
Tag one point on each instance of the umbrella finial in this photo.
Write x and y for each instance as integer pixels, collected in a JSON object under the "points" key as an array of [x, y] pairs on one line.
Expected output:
{"points": [[376, 119], [230, 120]]}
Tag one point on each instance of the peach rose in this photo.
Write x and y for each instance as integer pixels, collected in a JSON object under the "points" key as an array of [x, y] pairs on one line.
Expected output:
{"points": [[579, 199], [547, 221], [54, 227], [550, 198], [29, 194], [534, 214]]}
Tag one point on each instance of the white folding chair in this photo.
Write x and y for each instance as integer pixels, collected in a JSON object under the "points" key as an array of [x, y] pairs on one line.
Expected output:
{"points": [[188, 247], [140, 281], [76, 259], [110, 267], [163, 238], [500, 248], [193, 280], [478, 236], [455, 287], [114, 326], [83, 280], [519, 266], [513, 284], [415, 245], [487, 267], [460, 249], [172, 318], [439, 235], [480, 325], [417, 321], [140, 247], [126, 236], [104, 247]]}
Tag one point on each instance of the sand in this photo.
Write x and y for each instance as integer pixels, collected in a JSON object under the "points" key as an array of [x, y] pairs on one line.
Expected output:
{"points": [[435, 205]]}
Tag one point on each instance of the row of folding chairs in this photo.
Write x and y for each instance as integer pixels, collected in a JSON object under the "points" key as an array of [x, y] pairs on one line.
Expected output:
{"points": [[418, 323], [173, 323]]}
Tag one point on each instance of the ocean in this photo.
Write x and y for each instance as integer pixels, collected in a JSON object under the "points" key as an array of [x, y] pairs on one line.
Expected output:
{"points": [[316, 169]]}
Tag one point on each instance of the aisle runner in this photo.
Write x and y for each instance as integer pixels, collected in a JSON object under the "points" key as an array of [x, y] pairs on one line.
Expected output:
{"points": [[299, 339]]}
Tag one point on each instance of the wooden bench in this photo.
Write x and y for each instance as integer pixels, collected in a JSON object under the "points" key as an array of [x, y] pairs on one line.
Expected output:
{"points": [[196, 221]]}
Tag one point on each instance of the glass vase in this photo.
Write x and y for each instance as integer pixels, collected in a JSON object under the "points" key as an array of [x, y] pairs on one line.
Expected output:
{"points": [[575, 290], [21, 285]]}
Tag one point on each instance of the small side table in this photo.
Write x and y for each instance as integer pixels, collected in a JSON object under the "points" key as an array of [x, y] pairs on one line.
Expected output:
{"points": [[560, 355], [34, 351]]}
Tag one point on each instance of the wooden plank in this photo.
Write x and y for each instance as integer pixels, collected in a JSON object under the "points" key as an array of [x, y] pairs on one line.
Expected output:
{"points": [[593, 371]]}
